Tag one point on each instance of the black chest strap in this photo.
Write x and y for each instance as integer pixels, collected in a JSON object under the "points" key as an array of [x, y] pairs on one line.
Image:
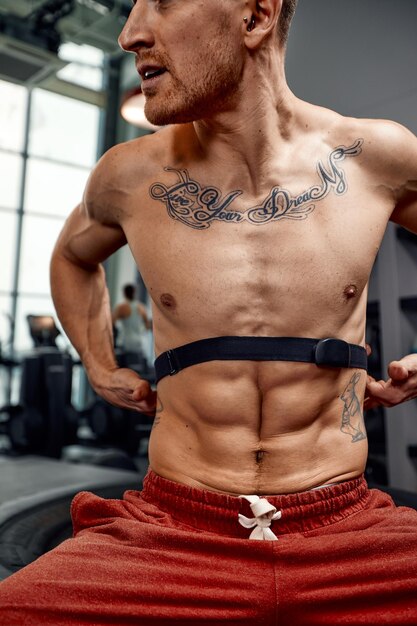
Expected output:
{"points": [[323, 352]]}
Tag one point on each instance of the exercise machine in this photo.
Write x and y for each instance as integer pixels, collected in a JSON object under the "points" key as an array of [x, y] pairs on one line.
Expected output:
{"points": [[44, 420]]}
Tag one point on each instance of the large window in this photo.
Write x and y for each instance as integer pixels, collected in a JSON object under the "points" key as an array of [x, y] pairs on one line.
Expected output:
{"points": [[48, 145], [13, 108], [8, 239], [53, 189], [13, 103], [85, 65], [10, 179], [63, 129]]}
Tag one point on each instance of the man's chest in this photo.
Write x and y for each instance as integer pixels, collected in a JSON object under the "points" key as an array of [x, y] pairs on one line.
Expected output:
{"points": [[259, 266], [191, 229]]}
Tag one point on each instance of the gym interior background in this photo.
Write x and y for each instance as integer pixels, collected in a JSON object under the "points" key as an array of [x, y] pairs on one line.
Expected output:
{"points": [[63, 80]]}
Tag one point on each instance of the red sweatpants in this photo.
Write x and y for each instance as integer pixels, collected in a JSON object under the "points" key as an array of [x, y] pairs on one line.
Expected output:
{"points": [[177, 555]]}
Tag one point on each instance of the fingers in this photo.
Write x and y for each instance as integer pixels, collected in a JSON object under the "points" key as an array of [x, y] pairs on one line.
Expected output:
{"points": [[376, 394], [376, 386], [408, 362], [147, 406], [141, 390], [383, 393], [398, 371], [144, 398], [390, 393], [400, 386], [374, 390], [124, 388]]}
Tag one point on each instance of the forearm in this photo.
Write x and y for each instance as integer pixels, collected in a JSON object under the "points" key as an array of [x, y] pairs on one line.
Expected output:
{"points": [[82, 303]]}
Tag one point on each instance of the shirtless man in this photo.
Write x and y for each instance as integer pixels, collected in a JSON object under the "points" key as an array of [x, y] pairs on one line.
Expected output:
{"points": [[253, 214]]}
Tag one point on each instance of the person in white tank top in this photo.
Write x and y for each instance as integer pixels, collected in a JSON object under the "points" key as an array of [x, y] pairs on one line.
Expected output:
{"points": [[133, 321]]}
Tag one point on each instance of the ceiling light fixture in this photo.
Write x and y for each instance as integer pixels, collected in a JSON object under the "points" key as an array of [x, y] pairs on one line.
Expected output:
{"points": [[132, 109]]}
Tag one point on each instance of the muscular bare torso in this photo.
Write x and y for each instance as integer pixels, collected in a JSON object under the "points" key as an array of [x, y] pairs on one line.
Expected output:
{"points": [[288, 256]]}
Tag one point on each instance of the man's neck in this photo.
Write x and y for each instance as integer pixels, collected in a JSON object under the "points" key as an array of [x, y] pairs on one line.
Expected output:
{"points": [[259, 127]]}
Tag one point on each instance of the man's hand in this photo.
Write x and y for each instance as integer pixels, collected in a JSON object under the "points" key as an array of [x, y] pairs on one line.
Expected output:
{"points": [[123, 387], [400, 386]]}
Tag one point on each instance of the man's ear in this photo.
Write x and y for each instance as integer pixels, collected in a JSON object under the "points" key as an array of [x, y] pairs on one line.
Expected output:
{"points": [[260, 21]]}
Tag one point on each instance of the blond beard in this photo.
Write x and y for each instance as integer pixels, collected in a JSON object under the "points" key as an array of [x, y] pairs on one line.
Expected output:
{"points": [[213, 88]]}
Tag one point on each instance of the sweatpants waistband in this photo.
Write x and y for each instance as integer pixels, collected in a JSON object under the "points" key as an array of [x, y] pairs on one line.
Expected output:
{"points": [[217, 512]]}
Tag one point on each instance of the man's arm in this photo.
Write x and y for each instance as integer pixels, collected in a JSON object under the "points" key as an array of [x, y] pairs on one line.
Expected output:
{"points": [[81, 299], [401, 150], [79, 289]]}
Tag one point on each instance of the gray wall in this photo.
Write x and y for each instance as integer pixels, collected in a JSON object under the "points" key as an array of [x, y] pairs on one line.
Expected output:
{"points": [[358, 57]]}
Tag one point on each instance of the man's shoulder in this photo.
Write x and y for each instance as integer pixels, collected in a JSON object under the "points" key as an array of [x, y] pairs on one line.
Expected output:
{"points": [[382, 139], [376, 134], [392, 150], [384, 134], [122, 171], [389, 149], [137, 156], [123, 309]]}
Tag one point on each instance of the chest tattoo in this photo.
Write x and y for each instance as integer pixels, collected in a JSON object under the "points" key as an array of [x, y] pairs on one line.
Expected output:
{"points": [[194, 205]]}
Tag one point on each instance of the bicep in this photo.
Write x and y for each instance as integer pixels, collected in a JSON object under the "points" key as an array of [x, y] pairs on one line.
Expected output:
{"points": [[87, 242], [405, 210]]}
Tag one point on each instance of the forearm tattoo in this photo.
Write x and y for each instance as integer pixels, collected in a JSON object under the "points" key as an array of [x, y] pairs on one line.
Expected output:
{"points": [[353, 423], [198, 207]]}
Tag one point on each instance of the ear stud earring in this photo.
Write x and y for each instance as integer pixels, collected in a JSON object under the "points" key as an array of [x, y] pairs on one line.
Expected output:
{"points": [[251, 24]]}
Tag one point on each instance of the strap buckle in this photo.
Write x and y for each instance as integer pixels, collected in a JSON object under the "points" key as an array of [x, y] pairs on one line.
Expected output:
{"points": [[332, 353], [173, 362]]}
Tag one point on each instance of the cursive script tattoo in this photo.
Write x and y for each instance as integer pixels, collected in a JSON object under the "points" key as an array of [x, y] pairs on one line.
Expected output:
{"points": [[198, 207], [352, 417]]}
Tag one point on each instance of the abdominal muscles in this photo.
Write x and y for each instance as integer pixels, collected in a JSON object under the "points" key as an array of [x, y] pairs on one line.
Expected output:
{"points": [[263, 428]]}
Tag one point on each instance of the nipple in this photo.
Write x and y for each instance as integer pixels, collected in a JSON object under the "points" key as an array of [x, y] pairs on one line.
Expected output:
{"points": [[168, 301], [350, 291]]}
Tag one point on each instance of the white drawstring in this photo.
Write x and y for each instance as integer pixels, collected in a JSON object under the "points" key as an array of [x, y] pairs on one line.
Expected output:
{"points": [[264, 513]]}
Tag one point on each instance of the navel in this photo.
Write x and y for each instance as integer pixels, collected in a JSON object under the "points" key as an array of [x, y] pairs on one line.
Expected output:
{"points": [[259, 454], [168, 301]]}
